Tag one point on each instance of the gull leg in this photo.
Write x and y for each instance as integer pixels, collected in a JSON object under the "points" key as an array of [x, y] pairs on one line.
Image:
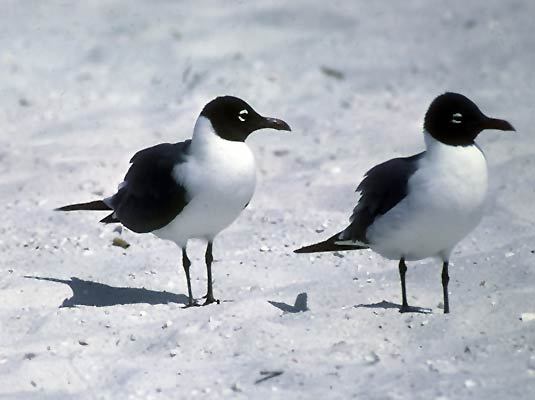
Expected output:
{"points": [[209, 258], [445, 280], [402, 271], [186, 263]]}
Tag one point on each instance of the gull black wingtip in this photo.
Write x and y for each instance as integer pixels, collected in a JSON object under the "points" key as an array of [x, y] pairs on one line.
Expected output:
{"points": [[275, 123], [97, 205], [329, 245], [499, 124]]}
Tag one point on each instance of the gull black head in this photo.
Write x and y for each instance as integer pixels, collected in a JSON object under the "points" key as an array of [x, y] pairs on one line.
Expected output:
{"points": [[455, 120], [234, 119]]}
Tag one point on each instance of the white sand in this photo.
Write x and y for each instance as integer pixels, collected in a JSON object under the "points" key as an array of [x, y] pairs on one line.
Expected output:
{"points": [[86, 84]]}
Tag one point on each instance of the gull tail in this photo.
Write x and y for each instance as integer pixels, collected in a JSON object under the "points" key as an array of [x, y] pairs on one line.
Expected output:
{"points": [[334, 243]]}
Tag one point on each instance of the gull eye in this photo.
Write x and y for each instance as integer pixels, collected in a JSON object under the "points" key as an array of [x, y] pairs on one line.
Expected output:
{"points": [[242, 114], [456, 118]]}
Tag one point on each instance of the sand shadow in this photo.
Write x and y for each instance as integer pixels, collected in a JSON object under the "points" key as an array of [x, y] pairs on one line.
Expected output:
{"points": [[89, 293], [387, 304], [300, 304]]}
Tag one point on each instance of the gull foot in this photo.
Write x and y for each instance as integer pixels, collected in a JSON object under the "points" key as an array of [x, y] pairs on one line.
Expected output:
{"points": [[210, 300], [411, 309]]}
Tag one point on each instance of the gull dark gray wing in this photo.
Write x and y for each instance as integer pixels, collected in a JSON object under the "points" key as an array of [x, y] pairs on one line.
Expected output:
{"points": [[150, 197], [384, 186]]}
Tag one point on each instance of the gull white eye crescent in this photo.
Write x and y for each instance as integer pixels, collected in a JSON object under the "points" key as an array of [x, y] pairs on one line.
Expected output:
{"points": [[456, 118], [241, 115]]}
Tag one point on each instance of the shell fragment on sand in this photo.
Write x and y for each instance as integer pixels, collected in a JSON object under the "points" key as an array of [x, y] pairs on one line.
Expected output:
{"points": [[527, 317]]}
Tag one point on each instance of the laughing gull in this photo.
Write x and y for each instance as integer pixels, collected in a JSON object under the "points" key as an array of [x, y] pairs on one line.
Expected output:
{"points": [[422, 206], [191, 189]]}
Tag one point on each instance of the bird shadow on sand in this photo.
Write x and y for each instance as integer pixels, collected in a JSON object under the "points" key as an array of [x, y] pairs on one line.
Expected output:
{"points": [[300, 304], [89, 293], [387, 304]]}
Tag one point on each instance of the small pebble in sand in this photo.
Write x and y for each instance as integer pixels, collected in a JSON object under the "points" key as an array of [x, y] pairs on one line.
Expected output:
{"points": [[469, 383], [236, 387], [167, 324], [371, 358], [117, 241]]}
